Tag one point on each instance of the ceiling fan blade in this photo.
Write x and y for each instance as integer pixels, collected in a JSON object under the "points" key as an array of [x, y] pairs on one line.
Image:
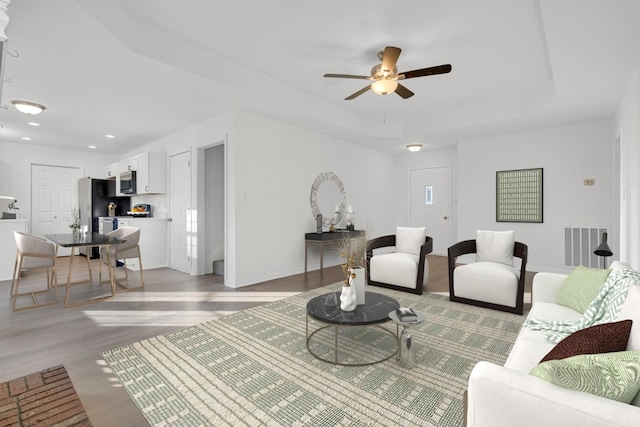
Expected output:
{"points": [[440, 69], [404, 92], [348, 76], [389, 58], [358, 93]]}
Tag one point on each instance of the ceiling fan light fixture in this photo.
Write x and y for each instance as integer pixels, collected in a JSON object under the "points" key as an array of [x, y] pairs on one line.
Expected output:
{"points": [[28, 107], [414, 148], [384, 86]]}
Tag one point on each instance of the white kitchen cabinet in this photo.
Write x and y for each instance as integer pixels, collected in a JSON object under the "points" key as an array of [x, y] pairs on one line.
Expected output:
{"points": [[153, 241], [151, 173], [111, 171], [121, 166], [8, 248]]}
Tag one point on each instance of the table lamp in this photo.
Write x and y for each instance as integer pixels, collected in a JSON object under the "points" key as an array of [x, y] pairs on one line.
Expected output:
{"points": [[603, 250]]}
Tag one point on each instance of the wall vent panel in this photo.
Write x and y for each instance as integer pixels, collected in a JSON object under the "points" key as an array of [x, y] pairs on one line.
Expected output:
{"points": [[579, 244]]}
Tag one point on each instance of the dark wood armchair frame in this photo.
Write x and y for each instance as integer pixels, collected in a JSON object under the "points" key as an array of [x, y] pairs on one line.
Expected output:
{"points": [[469, 247], [390, 240]]}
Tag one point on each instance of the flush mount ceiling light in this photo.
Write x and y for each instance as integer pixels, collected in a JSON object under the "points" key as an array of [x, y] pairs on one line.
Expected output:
{"points": [[28, 107], [414, 147]]}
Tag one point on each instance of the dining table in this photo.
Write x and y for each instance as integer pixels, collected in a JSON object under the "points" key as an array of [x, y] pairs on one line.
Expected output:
{"points": [[85, 240]]}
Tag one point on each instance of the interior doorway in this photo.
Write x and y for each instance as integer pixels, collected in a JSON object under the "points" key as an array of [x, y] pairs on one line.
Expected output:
{"points": [[54, 195], [429, 198], [180, 230], [214, 175]]}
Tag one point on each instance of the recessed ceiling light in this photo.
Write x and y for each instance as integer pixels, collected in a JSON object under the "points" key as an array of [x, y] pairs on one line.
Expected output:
{"points": [[110, 136], [28, 107], [26, 138], [92, 146], [33, 124]]}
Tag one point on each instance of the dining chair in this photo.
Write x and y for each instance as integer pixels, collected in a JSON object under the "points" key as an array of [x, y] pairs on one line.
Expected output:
{"points": [[130, 249], [33, 253]]}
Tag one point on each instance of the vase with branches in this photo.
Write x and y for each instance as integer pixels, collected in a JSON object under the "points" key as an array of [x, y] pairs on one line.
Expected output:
{"points": [[75, 220], [352, 247]]}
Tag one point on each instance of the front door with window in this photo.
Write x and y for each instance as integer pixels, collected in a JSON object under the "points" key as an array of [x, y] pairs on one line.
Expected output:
{"points": [[429, 205]]}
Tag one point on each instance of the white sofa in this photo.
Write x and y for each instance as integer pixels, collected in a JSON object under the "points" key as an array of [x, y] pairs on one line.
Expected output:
{"points": [[508, 396]]}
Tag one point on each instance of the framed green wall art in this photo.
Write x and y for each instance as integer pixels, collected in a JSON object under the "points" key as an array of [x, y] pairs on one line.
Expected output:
{"points": [[519, 195]]}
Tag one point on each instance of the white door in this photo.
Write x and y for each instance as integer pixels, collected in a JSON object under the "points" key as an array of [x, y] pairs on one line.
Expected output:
{"points": [[429, 205], [54, 195], [180, 233]]}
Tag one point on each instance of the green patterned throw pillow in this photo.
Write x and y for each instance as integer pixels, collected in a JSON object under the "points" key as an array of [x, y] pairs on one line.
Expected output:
{"points": [[580, 287], [614, 376]]}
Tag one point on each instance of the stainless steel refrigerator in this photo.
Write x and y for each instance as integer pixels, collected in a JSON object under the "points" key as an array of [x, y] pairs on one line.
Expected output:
{"points": [[94, 196]]}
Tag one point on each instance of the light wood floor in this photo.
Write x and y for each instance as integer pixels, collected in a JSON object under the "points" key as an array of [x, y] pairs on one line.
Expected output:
{"points": [[34, 340]]}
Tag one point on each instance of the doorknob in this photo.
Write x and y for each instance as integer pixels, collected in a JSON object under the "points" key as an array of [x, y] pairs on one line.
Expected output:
{"points": [[446, 217]]}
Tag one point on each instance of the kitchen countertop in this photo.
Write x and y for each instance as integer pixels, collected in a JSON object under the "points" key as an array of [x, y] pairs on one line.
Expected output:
{"points": [[135, 218]]}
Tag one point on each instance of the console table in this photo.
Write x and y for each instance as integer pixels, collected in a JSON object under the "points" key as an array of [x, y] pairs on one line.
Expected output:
{"points": [[326, 238]]}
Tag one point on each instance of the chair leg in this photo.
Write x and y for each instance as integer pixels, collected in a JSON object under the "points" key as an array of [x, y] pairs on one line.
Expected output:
{"points": [[16, 281], [15, 269], [52, 281], [141, 278]]}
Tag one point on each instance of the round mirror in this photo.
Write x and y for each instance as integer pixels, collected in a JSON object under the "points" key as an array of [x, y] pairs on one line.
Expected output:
{"points": [[329, 198]]}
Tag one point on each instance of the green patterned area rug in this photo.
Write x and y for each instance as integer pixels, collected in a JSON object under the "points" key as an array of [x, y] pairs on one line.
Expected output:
{"points": [[252, 368]]}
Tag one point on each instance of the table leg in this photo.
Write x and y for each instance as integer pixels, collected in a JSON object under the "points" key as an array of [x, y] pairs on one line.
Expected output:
{"points": [[321, 257], [112, 275], [306, 246], [335, 342], [407, 357], [66, 293], [88, 257]]}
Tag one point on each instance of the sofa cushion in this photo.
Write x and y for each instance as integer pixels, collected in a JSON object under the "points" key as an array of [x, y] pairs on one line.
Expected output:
{"points": [[531, 346], [487, 281], [580, 287], [410, 239], [604, 338], [400, 269], [631, 310], [619, 265], [611, 375], [495, 246]]}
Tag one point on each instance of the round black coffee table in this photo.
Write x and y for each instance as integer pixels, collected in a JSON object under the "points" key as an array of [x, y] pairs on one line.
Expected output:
{"points": [[326, 309]]}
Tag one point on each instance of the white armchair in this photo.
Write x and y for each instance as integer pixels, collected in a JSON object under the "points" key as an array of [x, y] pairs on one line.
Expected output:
{"points": [[492, 281], [404, 269]]}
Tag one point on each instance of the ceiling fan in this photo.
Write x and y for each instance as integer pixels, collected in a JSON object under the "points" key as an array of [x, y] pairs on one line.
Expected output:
{"points": [[385, 76]]}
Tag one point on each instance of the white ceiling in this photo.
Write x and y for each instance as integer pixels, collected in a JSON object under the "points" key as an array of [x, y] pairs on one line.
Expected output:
{"points": [[143, 69]]}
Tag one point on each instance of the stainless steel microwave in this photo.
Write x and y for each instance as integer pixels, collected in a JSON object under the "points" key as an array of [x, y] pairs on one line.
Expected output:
{"points": [[128, 182]]}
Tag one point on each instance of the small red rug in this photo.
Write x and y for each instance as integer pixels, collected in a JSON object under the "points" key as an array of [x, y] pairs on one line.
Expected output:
{"points": [[45, 398]]}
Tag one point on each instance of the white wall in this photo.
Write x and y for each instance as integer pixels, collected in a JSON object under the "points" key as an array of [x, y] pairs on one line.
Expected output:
{"points": [[15, 168], [568, 155], [276, 164], [424, 159], [270, 167], [628, 123]]}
